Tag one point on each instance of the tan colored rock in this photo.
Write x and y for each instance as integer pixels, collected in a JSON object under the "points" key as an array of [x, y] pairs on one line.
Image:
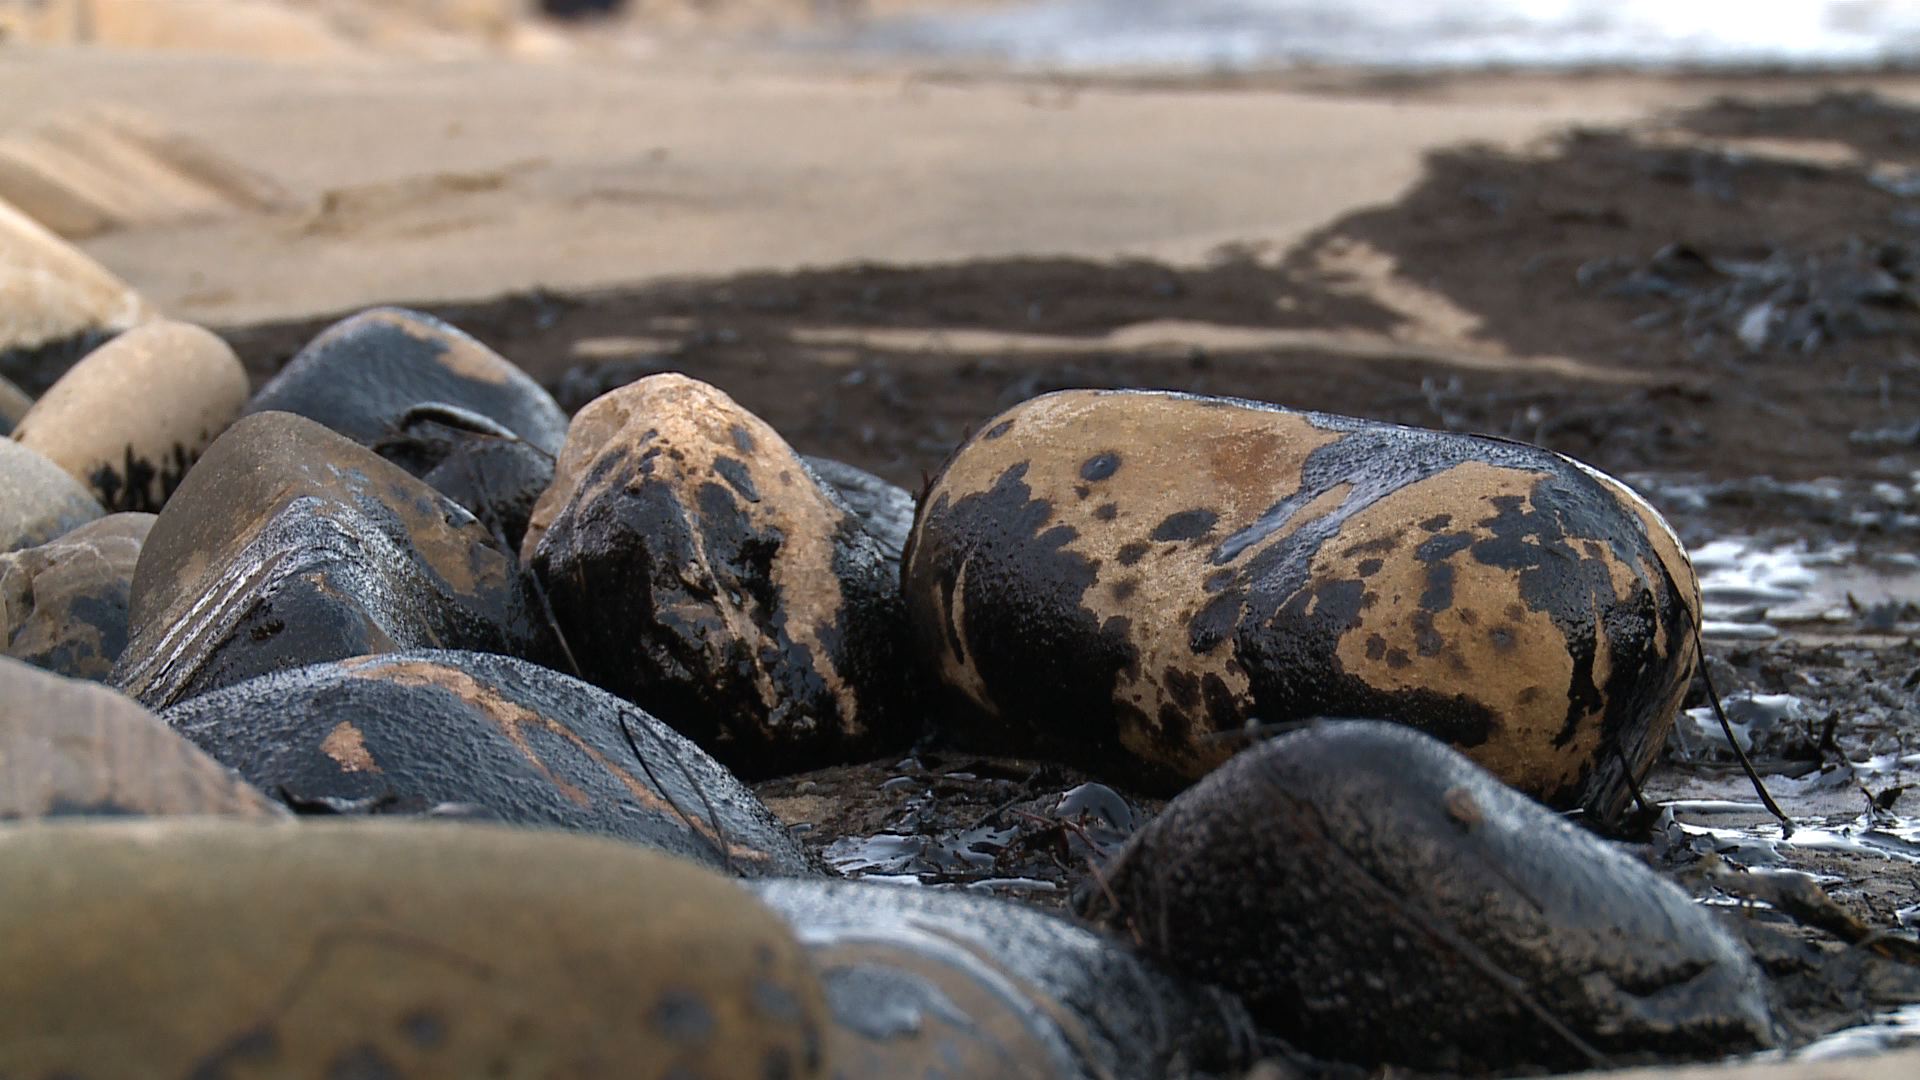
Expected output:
{"points": [[14, 404], [69, 747], [38, 500], [699, 569], [63, 605], [55, 302], [131, 417], [423, 950]]}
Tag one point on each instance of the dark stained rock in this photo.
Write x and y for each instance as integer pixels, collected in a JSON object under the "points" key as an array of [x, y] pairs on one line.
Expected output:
{"points": [[288, 545], [434, 401], [415, 731], [378, 949], [131, 417], [700, 570], [38, 500], [63, 605], [926, 983], [1376, 897], [885, 509], [1128, 579], [14, 404], [74, 748], [56, 304]]}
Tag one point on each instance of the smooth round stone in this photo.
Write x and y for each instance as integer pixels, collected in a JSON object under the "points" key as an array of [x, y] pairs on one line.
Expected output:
{"points": [[288, 545], [74, 748], [63, 605], [56, 304], [885, 509], [926, 983], [700, 570], [14, 404], [131, 417], [38, 500], [434, 401], [492, 735], [386, 949], [1376, 897], [1128, 579]]}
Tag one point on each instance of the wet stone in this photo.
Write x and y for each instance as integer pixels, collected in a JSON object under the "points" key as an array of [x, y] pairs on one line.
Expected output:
{"points": [[1377, 898], [478, 735], [38, 500], [698, 569], [14, 404], [434, 401], [63, 605], [71, 748], [131, 417], [1127, 579], [288, 545], [931, 983], [379, 948], [885, 509], [56, 304]]}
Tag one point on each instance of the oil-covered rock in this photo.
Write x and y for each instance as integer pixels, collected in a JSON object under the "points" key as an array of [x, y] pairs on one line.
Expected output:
{"points": [[38, 500], [488, 735], [387, 949], [63, 605], [434, 401], [289, 545], [56, 304], [699, 569], [926, 983], [1377, 898], [885, 509], [130, 418], [1129, 579], [73, 748]]}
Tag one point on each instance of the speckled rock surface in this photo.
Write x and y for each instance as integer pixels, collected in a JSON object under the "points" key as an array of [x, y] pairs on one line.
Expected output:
{"points": [[1124, 579], [699, 569], [69, 748], [485, 735], [130, 418], [931, 983], [1375, 897], [289, 545], [380, 949], [63, 605], [434, 401], [38, 500]]}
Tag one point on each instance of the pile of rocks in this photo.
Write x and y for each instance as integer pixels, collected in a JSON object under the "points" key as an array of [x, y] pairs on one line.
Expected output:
{"points": [[522, 662]]}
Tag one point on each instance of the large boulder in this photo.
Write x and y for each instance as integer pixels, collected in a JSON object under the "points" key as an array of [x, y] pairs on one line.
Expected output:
{"points": [[1377, 898], [56, 304], [434, 401], [381, 949], [481, 734], [289, 545], [63, 605], [131, 417], [930, 983], [699, 569], [1130, 579], [38, 500], [72, 748]]}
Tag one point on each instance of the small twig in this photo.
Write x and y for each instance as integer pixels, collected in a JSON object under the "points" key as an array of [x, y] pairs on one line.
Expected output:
{"points": [[1726, 726]]}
